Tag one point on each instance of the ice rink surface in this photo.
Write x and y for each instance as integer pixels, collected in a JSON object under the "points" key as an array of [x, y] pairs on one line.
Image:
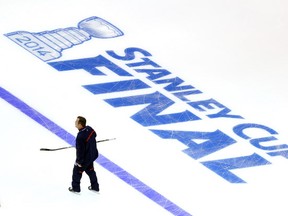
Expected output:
{"points": [[195, 93]]}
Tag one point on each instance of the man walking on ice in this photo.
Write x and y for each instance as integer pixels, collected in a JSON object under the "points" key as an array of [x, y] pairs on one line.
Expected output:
{"points": [[86, 154]]}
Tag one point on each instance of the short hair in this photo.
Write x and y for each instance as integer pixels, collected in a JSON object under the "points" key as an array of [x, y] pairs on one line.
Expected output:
{"points": [[82, 120]]}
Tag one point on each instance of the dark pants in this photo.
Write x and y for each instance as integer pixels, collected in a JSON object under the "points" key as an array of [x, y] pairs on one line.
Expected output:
{"points": [[77, 175]]}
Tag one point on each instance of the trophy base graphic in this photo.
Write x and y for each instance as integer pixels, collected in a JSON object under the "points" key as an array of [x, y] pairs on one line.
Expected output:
{"points": [[35, 46]]}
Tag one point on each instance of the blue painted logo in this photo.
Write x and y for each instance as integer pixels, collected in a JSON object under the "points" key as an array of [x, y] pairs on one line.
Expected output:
{"points": [[48, 45], [167, 100]]}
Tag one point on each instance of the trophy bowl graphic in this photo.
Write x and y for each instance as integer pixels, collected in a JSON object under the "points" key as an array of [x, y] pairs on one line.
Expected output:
{"points": [[99, 28]]}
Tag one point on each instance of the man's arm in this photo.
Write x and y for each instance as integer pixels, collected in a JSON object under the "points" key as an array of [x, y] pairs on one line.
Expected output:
{"points": [[80, 151]]}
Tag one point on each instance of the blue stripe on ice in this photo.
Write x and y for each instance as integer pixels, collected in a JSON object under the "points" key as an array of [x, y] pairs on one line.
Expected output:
{"points": [[103, 161]]}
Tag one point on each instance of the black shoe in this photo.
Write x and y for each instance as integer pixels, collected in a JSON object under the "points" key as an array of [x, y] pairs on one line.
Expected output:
{"points": [[92, 189], [72, 190]]}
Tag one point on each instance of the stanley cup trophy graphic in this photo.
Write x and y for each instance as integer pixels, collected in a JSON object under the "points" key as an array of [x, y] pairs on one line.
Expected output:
{"points": [[48, 45]]}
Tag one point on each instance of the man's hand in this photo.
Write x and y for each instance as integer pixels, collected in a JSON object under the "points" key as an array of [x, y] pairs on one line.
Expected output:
{"points": [[77, 164]]}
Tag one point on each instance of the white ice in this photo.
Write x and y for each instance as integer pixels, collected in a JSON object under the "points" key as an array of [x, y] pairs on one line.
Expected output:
{"points": [[233, 51]]}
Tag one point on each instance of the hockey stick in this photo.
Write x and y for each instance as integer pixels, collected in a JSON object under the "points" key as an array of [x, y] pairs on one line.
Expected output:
{"points": [[56, 149]]}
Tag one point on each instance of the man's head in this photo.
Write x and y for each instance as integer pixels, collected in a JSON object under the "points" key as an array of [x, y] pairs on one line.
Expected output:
{"points": [[80, 122]]}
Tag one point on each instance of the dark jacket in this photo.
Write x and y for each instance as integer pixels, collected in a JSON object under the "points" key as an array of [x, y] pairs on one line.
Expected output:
{"points": [[86, 147]]}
